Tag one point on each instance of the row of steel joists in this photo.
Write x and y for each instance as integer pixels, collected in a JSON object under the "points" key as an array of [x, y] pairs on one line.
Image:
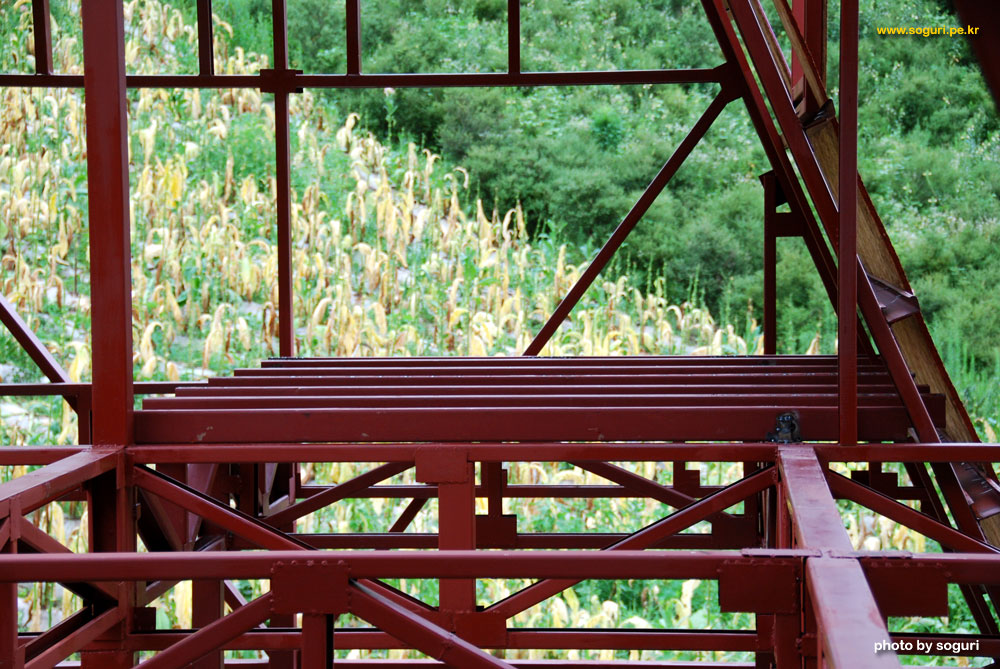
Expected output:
{"points": [[814, 597], [652, 398]]}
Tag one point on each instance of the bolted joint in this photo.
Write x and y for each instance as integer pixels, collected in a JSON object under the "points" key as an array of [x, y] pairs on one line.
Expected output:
{"points": [[442, 464], [310, 587], [279, 81]]}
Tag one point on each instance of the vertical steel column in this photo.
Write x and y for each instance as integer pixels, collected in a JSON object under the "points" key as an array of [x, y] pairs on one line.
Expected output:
{"points": [[770, 265], [107, 186], [41, 24], [847, 334], [111, 528], [317, 641], [207, 599], [286, 317], [206, 47], [11, 655], [457, 531], [353, 36], [514, 36]]}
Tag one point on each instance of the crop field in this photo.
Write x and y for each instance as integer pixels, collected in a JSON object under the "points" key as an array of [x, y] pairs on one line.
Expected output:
{"points": [[393, 254]]}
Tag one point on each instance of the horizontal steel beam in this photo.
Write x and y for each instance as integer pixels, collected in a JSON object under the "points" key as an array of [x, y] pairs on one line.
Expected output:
{"points": [[37, 488], [506, 424], [614, 565], [256, 451], [732, 641], [295, 80]]}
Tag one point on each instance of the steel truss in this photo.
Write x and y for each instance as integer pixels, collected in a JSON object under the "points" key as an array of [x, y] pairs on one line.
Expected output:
{"points": [[208, 479]]}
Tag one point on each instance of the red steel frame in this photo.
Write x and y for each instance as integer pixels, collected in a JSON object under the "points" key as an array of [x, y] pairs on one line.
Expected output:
{"points": [[213, 470]]}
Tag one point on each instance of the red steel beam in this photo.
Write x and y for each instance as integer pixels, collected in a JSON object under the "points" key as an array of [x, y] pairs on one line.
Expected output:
{"points": [[206, 46], [522, 541], [407, 515], [848, 618], [317, 641], [74, 642], [513, 37], [733, 641], [464, 424], [555, 361], [481, 452], [11, 652], [638, 210], [108, 202], [36, 455], [520, 387], [700, 377], [33, 540], [216, 512], [423, 80], [518, 400], [353, 21], [639, 486], [38, 643], [688, 365], [769, 324], [847, 271], [528, 491], [41, 25], [817, 521], [32, 345], [283, 204], [615, 565], [41, 486], [934, 452]]}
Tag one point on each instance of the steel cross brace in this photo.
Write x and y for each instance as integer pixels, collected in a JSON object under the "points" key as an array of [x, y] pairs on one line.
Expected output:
{"points": [[672, 524]]}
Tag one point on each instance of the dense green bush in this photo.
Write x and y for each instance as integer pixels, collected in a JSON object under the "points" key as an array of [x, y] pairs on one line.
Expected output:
{"points": [[578, 158]]}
